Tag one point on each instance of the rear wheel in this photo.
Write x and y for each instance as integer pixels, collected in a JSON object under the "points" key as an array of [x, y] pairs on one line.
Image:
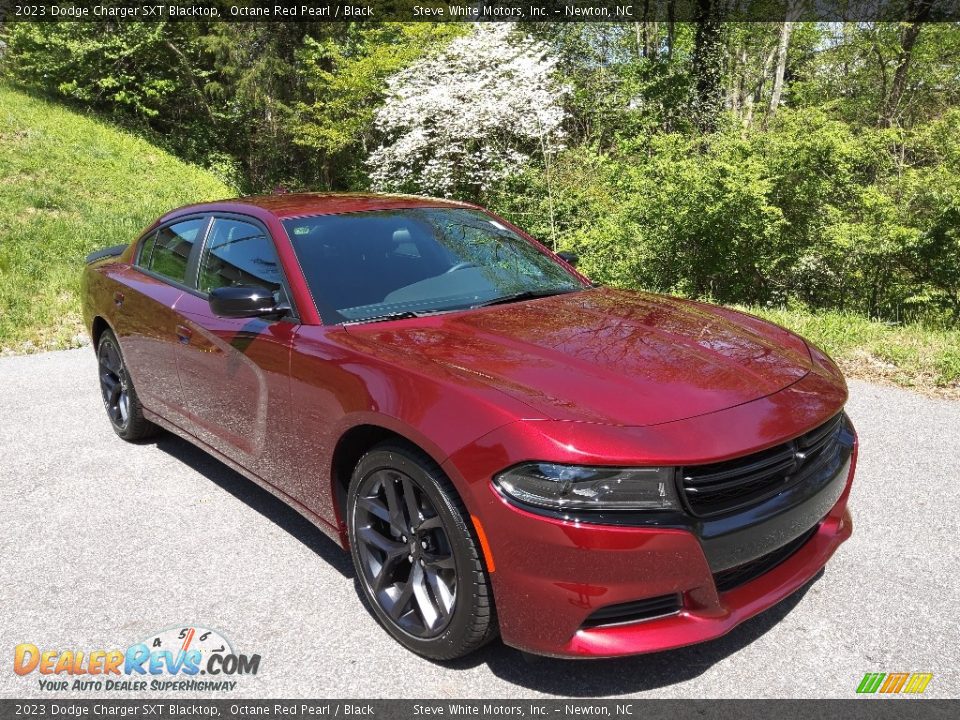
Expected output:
{"points": [[119, 396], [415, 554]]}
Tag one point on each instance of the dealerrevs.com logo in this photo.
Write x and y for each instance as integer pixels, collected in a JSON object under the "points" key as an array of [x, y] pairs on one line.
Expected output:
{"points": [[188, 659]]}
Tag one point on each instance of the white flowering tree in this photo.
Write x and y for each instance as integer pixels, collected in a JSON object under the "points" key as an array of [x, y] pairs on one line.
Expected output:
{"points": [[474, 113]]}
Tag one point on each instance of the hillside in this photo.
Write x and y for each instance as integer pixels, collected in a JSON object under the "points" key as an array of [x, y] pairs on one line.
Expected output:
{"points": [[70, 184]]}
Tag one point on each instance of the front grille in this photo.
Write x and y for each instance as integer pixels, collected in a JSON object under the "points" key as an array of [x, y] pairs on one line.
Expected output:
{"points": [[634, 611], [723, 487], [736, 576]]}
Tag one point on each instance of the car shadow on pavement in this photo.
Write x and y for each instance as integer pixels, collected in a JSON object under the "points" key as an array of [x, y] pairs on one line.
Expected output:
{"points": [[599, 678], [259, 499]]}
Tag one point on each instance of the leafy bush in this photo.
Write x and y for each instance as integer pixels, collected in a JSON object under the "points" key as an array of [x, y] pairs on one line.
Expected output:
{"points": [[810, 210]]}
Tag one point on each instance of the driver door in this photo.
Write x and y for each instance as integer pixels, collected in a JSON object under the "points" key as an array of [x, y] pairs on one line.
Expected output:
{"points": [[235, 371]]}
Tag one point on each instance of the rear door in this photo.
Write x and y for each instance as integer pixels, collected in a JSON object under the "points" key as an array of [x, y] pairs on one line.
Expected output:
{"points": [[145, 320], [235, 371]]}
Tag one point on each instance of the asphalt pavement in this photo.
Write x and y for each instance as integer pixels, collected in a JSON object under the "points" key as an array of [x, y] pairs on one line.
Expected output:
{"points": [[103, 544]]}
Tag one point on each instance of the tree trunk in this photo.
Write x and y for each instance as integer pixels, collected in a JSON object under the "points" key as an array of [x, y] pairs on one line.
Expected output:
{"points": [[646, 28], [918, 12], [188, 71], [756, 96], [742, 91], [650, 30], [778, 74], [708, 51], [671, 26]]}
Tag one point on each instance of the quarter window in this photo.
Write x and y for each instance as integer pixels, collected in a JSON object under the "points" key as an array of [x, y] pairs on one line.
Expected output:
{"points": [[239, 253], [168, 252]]}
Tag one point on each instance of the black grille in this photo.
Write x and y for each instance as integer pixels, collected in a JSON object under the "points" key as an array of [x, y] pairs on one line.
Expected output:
{"points": [[635, 611], [736, 576], [727, 486]]}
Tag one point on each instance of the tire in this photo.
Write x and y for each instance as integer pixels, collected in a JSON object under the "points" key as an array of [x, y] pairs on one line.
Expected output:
{"points": [[119, 396], [423, 575]]}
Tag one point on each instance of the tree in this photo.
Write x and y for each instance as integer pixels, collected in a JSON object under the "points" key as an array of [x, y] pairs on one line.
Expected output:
{"points": [[708, 55], [147, 71], [346, 80], [468, 116], [219, 94], [794, 8], [256, 81], [918, 12]]}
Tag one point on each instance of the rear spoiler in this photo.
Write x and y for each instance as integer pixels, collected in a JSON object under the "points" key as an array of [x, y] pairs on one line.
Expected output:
{"points": [[114, 251]]}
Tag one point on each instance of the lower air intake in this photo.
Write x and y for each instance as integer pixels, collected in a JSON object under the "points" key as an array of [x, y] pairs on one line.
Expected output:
{"points": [[737, 576], [635, 611]]}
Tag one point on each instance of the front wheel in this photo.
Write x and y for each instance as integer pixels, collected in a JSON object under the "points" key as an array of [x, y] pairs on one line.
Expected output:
{"points": [[119, 396], [416, 557]]}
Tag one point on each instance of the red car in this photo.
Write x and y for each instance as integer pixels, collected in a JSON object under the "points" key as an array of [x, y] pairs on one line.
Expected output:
{"points": [[503, 446]]}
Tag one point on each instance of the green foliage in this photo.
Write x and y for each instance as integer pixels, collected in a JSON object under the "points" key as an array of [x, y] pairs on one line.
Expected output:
{"points": [[254, 82], [260, 104], [812, 210], [125, 65], [851, 68], [70, 185], [843, 196], [346, 81]]}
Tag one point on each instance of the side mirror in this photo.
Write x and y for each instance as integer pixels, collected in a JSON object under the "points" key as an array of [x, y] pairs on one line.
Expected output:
{"points": [[571, 258], [243, 302]]}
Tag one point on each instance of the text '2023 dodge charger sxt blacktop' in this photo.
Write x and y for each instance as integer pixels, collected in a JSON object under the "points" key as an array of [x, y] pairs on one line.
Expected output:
{"points": [[502, 446]]}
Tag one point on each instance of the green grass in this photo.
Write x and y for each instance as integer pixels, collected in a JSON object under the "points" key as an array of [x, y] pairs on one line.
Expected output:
{"points": [[908, 355], [70, 184]]}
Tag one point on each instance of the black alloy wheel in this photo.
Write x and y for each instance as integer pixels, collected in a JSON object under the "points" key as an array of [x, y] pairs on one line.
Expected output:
{"points": [[405, 553], [417, 561], [119, 397], [113, 384]]}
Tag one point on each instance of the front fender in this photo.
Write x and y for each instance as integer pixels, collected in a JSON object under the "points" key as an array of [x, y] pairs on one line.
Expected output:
{"points": [[338, 385]]}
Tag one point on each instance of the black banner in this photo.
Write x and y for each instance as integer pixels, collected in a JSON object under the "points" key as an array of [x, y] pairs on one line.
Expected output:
{"points": [[163, 709], [482, 10]]}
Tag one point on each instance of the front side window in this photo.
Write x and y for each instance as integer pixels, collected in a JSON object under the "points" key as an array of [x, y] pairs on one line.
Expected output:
{"points": [[239, 254], [367, 265], [168, 251]]}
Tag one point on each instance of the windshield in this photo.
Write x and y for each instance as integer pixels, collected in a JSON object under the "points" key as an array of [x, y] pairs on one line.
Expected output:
{"points": [[369, 265]]}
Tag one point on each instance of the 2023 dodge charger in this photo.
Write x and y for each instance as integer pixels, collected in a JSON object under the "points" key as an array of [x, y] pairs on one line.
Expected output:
{"points": [[502, 446]]}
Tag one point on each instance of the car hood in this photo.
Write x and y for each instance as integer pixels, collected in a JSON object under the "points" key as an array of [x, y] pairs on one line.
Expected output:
{"points": [[606, 356]]}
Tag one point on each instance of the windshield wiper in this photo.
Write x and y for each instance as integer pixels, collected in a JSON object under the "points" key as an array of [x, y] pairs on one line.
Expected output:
{"points": [[407, 314], [388, 316], [523, 295], [402, 315]]}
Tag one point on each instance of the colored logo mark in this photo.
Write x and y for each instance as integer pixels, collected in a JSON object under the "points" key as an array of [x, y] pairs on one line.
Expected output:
{"points": [[893, 683]]}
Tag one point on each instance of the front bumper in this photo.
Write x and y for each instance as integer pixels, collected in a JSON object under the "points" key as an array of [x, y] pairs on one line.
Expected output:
{"points": [[552, 575]]}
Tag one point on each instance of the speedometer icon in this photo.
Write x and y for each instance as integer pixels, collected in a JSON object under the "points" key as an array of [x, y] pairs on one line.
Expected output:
{"points": [[190, 637]]}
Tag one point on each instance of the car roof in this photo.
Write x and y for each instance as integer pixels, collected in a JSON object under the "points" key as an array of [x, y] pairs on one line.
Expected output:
{"points": [[290, 205]]}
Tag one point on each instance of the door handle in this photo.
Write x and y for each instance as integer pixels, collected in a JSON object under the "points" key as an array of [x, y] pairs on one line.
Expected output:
{"points": [[118, 298], [184, 334]]}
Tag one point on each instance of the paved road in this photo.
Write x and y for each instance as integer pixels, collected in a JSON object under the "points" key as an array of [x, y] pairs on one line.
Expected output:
{"points": [[103, 543]]}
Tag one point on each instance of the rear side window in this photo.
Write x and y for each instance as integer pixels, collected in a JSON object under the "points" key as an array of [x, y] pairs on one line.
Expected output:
{"points": [[168, 252], [239, 254]]}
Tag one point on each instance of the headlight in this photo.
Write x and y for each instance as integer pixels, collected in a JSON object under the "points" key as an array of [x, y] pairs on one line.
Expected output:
{"points": [[576, 487]]}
